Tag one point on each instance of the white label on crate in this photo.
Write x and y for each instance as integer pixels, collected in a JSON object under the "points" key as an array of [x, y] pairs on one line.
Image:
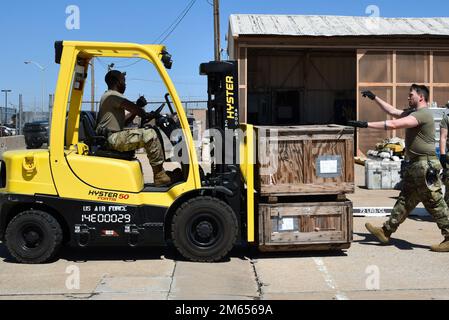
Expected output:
{"points": [[286, 224], [328, 166]]}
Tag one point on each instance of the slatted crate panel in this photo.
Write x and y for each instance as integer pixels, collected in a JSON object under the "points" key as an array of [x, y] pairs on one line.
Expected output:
{"points": [[305, 225], [305, 160]]}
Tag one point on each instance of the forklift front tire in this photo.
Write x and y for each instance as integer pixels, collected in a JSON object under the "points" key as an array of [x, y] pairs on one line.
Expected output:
{"points": [[204, 229], [33, 237]]}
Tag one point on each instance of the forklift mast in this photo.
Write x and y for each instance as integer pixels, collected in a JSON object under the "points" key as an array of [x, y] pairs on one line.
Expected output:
{"points": [[222, 94], [223, 117]]}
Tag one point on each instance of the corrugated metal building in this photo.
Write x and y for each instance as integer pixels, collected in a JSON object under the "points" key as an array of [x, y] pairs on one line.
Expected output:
{"points": [[311, 69]]}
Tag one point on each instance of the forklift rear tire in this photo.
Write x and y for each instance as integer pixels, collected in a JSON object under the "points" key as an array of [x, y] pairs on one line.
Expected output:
{"points": [[33, 237], [204, 229]]}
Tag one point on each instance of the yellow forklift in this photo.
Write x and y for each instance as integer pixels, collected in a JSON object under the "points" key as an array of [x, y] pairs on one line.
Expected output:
{"points": [[80, 193]]}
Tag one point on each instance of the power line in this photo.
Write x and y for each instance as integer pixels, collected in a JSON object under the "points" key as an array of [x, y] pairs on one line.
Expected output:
{"points": [[128, 65], [102, 63], [167, 32], [175, 82], [111, 66], [189, 7], [144, 80], [171, 25]]}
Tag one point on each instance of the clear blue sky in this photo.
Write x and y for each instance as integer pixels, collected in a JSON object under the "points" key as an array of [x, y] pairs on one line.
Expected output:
{"points": [[29, 29]]}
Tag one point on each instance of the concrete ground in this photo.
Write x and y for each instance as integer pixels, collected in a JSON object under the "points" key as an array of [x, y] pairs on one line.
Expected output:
{"points": [[406, 269]]}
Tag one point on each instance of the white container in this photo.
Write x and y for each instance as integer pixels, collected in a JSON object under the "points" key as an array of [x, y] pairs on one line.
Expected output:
{"points": [[438, 114], [382, 174]]}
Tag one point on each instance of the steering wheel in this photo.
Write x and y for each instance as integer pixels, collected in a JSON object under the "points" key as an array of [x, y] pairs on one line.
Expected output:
{"points": [[156, 114], [159, 110], [164, 122]]}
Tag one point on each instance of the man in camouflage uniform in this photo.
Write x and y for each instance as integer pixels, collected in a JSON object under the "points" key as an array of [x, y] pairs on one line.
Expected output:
{"points": [[444, 125], [113, 119], [421, 182]]}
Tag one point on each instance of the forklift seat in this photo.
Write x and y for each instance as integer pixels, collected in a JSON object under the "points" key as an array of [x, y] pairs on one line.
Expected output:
{"points": [[98, 146]]}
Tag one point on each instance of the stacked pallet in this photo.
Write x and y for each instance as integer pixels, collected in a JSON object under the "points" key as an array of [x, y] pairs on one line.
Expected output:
{"points": [[304, 173]]}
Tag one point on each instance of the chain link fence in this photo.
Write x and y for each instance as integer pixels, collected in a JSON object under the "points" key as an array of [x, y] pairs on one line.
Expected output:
{"points": [[15, 120], [153, 105]]}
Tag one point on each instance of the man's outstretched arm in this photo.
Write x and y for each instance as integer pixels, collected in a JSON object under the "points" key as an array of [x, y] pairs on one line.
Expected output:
{"points": [[386, 107], [403, 123]]}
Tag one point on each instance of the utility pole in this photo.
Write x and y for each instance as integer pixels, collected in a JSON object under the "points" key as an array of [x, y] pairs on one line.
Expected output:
{"points": [[19, 117], [92, 89], [6, 105], [217, 30]]}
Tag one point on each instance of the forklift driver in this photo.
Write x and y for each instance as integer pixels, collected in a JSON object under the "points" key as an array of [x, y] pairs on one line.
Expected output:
{"points": [[112, 120]]}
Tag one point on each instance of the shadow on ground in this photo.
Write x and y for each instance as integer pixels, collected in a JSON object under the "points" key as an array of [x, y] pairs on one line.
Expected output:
{"points": [[242, 252], [371, 240], [252, 252], [302, 254], [103, 254], [427, 218], [125, 254]]}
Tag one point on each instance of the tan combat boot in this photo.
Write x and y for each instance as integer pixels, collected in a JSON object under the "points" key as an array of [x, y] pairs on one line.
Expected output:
{"points": [[380, 233], [160, 177], [442, 247]]}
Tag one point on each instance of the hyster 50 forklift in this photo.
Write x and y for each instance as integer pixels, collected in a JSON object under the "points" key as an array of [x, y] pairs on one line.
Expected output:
{"points": [[79, 192]]}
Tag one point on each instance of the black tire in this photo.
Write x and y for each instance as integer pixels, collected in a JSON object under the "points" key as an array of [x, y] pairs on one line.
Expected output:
{"points": [[204, 229], [33, 237]]}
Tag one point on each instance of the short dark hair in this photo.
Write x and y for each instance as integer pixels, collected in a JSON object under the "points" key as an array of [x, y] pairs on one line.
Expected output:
{"points": [[112, 77], [421, 90]]}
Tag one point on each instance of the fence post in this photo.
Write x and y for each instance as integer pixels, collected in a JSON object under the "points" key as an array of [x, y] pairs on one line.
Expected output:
{"points": [[50, 106]]}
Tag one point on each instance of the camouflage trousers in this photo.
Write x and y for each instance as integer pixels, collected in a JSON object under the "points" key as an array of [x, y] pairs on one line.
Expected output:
{"points": [[416, 190], [134, 139], [445, 180]]}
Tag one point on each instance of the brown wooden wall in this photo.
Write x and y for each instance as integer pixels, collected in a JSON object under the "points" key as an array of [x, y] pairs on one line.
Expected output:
{"points": [[389, 74]]}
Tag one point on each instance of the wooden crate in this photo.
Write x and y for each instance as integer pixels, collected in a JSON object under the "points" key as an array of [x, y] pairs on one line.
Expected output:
{"points": [[305, 160], [305, 226]]}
